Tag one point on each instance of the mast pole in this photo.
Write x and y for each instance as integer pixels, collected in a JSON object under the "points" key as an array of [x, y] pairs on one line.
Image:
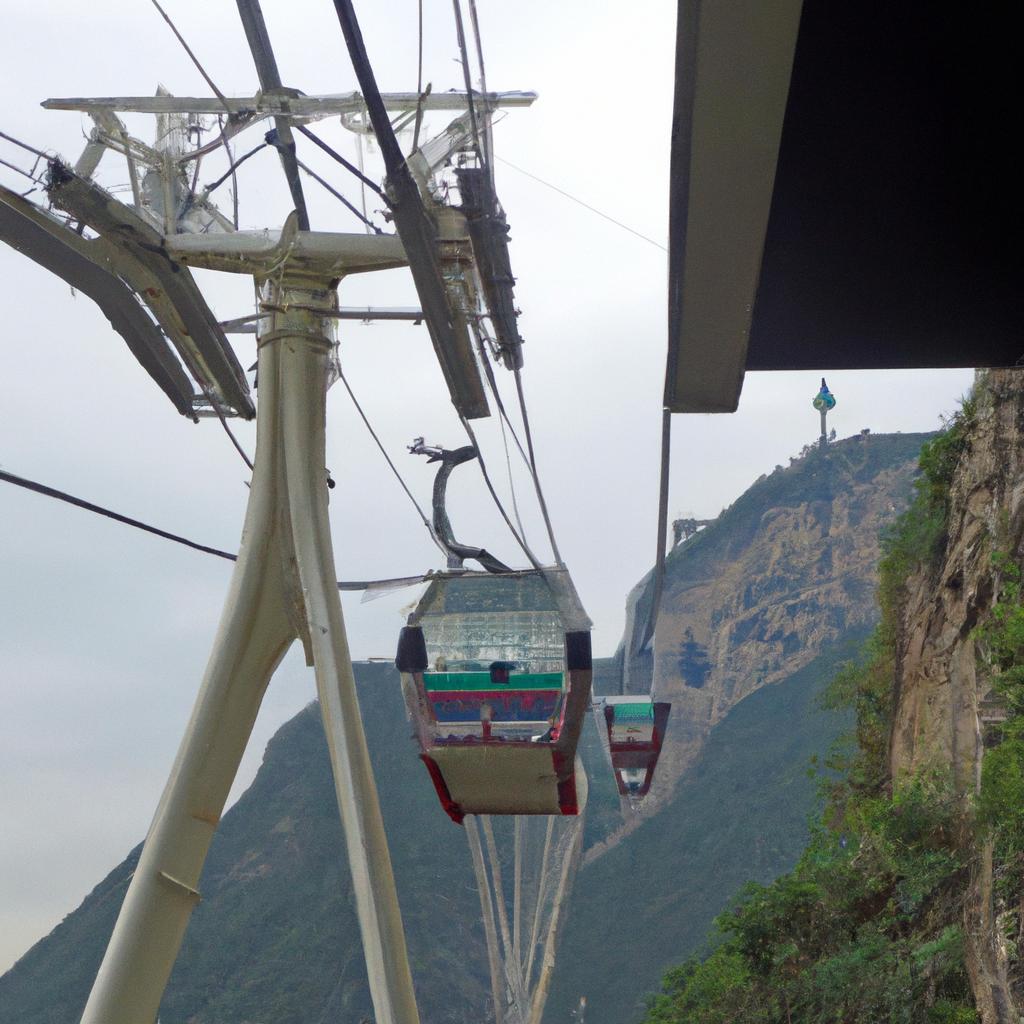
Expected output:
{"points": [[284, 587]]}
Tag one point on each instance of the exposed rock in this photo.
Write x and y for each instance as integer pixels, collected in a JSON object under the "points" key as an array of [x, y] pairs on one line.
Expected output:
{"points": [[943, 697], [760, 592], [940, 698]]}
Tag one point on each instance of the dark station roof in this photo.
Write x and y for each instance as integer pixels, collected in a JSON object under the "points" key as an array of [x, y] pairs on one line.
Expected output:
{"points": [[844, 192]]}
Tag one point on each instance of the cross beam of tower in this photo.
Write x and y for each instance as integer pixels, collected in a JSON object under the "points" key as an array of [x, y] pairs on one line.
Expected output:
{"points": [[295, 108]]}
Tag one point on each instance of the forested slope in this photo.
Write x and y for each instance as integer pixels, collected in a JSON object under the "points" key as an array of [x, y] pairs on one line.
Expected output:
{"points": [[906, 904]]}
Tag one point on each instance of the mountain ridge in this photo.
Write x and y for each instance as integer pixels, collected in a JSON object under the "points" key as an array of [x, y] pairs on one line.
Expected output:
{"points": [[275, 937]]}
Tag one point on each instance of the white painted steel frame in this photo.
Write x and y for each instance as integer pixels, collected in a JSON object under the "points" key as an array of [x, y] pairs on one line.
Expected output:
{"points": [[283, 587]]}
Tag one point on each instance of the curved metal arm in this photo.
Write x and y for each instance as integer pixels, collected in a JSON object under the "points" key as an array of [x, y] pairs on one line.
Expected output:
{"points": [[457, 553]]}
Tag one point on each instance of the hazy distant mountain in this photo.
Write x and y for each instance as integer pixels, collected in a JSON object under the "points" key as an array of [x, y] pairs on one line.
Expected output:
{"points": [[759, 608]]}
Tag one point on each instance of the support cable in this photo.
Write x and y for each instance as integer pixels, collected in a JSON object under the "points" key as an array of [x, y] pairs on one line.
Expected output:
{"points": [[188, 199], [488, 137], [586, 206], [533, 467], [461, 33], [303, 130], [503, 422], [215, 405], [387, 458], [195, 60], [417, 229], [512, 970], [659, 563], [419, 82], [493, 385], [494, 494], [70, 499], [487, 906], [517, 893], [511, 481], [52, 492], [528, 458], [337, 195], [484, 160], [541, 897], [15, 167], [24, 145], [270, 81], [230, 172], [570, 861], [362, 185]]}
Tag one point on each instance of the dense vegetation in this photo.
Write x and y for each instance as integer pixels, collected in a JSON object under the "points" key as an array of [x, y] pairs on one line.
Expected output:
{"points": [[1000, 806], [867, 926], [659, 890]]}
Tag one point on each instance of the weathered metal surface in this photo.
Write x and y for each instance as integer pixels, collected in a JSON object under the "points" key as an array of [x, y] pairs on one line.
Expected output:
{"points": [[309, 107], [88, 266], [324, 254], [167, 288]]}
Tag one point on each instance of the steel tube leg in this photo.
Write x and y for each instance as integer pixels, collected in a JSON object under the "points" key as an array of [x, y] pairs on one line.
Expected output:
{"points": [[253, 636], [303, 402]]}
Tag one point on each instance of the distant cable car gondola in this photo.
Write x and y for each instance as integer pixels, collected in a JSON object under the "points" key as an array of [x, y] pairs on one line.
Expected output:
{"points": [[496, 673], [635, 726]]}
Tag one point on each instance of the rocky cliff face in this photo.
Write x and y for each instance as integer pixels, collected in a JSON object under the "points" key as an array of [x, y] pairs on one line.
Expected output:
{"points": [[780, 576], [942, 702], [945, 713]]}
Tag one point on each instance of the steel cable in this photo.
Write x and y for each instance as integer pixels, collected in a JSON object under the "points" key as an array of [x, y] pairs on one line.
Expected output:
{"points": [[387, 458]]}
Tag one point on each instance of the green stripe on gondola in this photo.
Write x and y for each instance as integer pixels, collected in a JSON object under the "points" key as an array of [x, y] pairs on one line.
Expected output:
{"points": [[633, 713], [482, 681]]}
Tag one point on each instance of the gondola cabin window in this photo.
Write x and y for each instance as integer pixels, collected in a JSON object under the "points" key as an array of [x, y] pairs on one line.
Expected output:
{"points": [[494, 643]]}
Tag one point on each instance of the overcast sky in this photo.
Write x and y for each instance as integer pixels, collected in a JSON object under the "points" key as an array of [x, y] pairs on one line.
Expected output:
{"points": [[105, 632]]}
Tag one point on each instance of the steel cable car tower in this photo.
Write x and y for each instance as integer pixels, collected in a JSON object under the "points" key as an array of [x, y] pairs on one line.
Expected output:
{"points": [[133, 261]]}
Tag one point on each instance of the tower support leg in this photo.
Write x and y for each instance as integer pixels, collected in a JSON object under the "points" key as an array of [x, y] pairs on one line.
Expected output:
{"points": [[283, 588]]}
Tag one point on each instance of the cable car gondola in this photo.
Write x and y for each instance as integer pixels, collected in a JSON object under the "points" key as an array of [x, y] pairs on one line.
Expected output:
{"points": [[636, 730], [496, 674]]}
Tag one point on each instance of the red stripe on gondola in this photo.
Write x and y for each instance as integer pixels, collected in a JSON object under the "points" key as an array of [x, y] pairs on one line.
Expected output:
{"points": [[565, 771], [451, 808]]}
